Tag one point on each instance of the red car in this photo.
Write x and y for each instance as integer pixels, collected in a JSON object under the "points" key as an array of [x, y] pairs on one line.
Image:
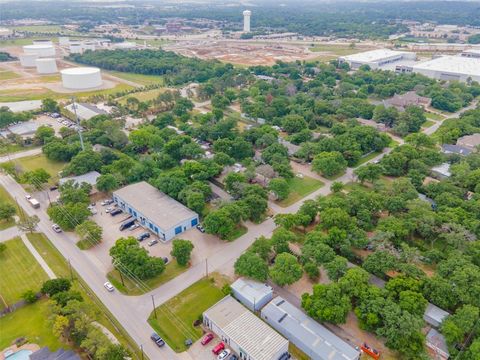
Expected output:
{"points": [[207, 339], [216, 350]]}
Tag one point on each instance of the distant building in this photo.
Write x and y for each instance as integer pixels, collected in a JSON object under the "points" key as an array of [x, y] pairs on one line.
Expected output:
{"points": [[85, 111], [291, 148], [474, 53], [158, 212], [245, 333], [26, 130], [246, 21], [376, 59], [469, 141], [437, 345], [456, 149], [253, 294], [457, 68], [305, 333], [400, 102]]}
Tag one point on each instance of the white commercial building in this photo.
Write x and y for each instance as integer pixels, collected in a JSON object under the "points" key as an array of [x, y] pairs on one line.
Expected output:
{"points": [[75, 48], [377, 59], [41, 50], [305, 333], [253, 294], [153, 209], [81, 78], [85, 111], [246, 21], [459, 68], [475, 53], [246, 334], [46, 65]]}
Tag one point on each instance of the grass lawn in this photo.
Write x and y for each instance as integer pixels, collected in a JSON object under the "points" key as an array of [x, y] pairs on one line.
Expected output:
{"points": [[29, 322], [434, 116], [368, 157], [142, 96], [40, 161], [428, 123], [7, 75], [175, 318], [171, 271], [60, 267], [300, 188], [20, 271], [138, 78], [239, 231], [5, 197]]}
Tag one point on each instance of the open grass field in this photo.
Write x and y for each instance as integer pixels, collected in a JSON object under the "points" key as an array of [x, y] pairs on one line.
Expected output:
{"points": [[8, 75], [433, 116], [5, 197], [37, 92], [172, 270], [142, 96], [60, 267], [41, 162], [39, 28], [138, 78], [29, 322], [175, 318], [153, 42], [300, 188], [428, 123], [20, 271]]}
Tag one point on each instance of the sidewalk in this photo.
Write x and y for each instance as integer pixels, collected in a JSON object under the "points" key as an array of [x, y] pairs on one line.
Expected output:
{"points": [[38, 257]]}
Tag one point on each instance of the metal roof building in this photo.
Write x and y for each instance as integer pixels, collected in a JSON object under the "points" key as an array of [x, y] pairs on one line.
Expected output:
{"points": [[307, 334], [85, 111], [459, 68], [376, 58], [253, 294], [89, 178], [434, 315], [245, 333], [155, 210]]}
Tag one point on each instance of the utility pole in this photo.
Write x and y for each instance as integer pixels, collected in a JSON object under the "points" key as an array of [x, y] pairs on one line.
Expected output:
{"points": [[206, 267], [141, 348], [78, 122], [121, 277], [154, 310], [71, 271]]}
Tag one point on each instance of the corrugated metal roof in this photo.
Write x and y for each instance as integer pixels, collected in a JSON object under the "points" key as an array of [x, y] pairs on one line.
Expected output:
{"points": [[322, 344], [434, 315], [89, 178], [249, 332], [251, 290]]}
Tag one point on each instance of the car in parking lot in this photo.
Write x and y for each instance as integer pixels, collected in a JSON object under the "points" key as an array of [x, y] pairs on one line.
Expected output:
{"points": [[109, 209], [56, 228], [28, 196], [127, 224], [152, 242], [106, 202], [157, 339], [207, 338], [219, 347], [134, 226], [108, 285], [53, 188], [223, 355], [200, 228], [143, 236], [233, 357], [115, 212]]}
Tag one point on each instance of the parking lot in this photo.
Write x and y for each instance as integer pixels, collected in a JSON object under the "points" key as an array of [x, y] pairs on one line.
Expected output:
{"points": [[205, 245], [204, 352]]}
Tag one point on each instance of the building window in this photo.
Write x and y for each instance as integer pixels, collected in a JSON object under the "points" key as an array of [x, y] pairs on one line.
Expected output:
{"points": [[178, 230], [194, 222]]}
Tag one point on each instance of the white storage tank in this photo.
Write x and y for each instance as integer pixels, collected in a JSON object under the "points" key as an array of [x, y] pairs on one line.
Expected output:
{"points": [[76, 48], [64, 40], [42, 42], [81, 78], [46, 66], [40, 50], [28, 60]]}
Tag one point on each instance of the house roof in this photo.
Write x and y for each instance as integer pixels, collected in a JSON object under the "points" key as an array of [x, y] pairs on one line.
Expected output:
{"points": [[24, 128], [89, 178], [85, 111], [442, 169], [409, 98], [252, 290], [456, 149], [374, 55], [470, 141], [45, 354], [437, 340], [158, 207], [434, 315], [320, 341], [249, 332]]}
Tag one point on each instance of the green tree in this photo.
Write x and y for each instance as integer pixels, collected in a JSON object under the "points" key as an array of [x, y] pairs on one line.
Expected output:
{"points": [[28, 223], [369, 172], [311, 269], [37, 178], [327, 303], [54, 286], [50, 105], [44, 134], [70, 215], [337, 186], [83, 162], [279, 187], [218, 222], [7, 210], [128, 256], [281, 237], [251, 265], [329, 163], [90, 233], [29, 296], [107, 183], [336, 268], [286, 270], [380, 262], [413, 302], [181, 250], [3, 247]]}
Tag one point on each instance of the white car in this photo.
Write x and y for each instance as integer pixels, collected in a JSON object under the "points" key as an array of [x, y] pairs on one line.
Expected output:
{"points": [[224, 354], [109, 286], [28, 196], [134, 226], [56, 228], [109, 209]]}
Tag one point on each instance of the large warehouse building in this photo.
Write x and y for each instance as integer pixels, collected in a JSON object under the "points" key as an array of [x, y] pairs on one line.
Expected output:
{"points": [[305, 333], [377, 59], [158, 212], [245, 333], [459, 68]]}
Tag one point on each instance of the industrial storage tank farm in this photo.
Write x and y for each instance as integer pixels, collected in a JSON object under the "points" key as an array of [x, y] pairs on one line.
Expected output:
{"points": [[81, 78]]}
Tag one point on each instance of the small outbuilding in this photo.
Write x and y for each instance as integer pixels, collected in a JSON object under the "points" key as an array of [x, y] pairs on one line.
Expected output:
{"points": [[253, 294], [305, 333], [89, 178], [434, 315], [246, 334], [85, 111], [153, 209], [437, 345]]}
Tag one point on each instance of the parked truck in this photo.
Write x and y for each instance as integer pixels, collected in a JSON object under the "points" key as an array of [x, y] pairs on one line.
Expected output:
{"points": [[34, 202]]}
